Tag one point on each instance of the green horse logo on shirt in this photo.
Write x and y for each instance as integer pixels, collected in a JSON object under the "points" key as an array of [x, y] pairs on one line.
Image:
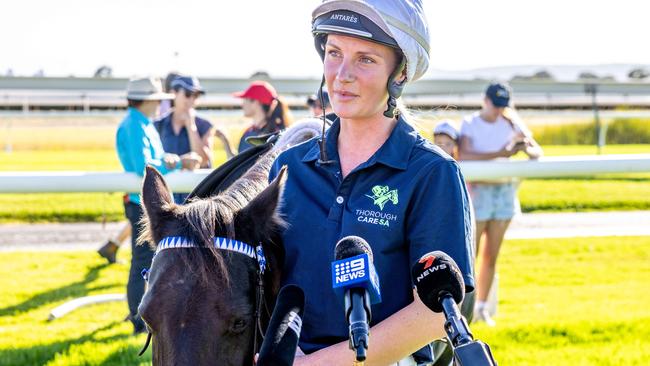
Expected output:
{"points": [[383, 194]]}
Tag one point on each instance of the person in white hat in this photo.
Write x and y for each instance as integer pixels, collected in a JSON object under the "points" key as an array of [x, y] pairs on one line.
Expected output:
{"points": [[138, 145], [371, 175], [445, 136]]}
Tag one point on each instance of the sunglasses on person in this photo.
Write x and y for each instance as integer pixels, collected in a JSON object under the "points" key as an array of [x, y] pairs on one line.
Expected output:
{"points": [[189, 94]]}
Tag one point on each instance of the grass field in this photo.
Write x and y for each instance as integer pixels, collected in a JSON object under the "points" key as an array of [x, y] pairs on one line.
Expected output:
{"points": [[578, 301], [612, 192]]}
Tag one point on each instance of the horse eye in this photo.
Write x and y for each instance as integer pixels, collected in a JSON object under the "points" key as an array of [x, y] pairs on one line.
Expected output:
{"points": [[239, 325]]}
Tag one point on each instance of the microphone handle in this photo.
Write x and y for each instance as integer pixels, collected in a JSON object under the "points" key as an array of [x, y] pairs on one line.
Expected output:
{"points": [[467, 351], [475, 353], [456, 326], [357, 309]]}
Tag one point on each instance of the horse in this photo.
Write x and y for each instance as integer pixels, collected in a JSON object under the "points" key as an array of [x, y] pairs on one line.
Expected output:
{"points": [[215, 273], [217, 268]]}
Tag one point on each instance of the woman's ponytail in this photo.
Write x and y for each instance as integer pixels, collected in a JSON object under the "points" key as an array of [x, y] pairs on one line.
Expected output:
{"points": [[278, 116]]}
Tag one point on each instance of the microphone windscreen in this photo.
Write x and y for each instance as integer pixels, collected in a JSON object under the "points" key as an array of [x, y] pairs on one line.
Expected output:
{"points": [[434, 273], [351, 246], [282, 335]]}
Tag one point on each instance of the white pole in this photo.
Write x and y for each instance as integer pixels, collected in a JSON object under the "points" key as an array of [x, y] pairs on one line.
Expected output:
{"points": [[61, 181], [565, 166], [73, 304], [67, 181]]}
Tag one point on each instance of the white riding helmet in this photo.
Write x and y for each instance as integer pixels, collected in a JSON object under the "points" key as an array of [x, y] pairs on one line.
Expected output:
{"points": [[396, 23]]}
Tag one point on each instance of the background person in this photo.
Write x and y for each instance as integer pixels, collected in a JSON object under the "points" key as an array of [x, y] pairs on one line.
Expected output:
{"points": [[181, 130], [314, 103], [138, 145], [166, 105], [268, 112], [445, 136], [108, 251], [495, 132], [369, 148]]}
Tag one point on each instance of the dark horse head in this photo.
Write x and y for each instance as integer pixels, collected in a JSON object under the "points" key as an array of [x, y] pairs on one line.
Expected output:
{"points": [[201, 302]]}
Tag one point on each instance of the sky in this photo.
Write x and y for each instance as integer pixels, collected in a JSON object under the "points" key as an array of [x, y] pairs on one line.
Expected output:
{"points": [[236, 38]]}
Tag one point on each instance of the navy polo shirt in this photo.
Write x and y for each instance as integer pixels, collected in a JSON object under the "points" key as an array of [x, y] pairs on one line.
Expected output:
{"points": [[178, 144], [408, 199]]}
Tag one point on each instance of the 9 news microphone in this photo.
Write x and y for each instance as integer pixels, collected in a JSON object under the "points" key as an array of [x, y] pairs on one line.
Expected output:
{"points": [[353, 275], [441, 287], [281, 340]]}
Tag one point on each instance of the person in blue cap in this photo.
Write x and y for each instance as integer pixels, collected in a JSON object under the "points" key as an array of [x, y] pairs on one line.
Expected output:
{"points": [[319, 103], [371, 175], [495, 132], [181, 130]]}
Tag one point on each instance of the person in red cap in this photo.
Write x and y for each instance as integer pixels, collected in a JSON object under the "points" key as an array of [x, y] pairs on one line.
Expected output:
{"points": [[268, 112]]}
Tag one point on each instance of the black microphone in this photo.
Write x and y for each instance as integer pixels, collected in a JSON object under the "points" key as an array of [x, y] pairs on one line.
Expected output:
{"points": [[282, 335], [354, 274], [440, 286]]}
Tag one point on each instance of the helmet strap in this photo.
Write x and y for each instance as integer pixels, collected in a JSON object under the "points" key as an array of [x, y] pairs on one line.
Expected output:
{"points": [[319, 42], [323, 150], [395, 89]]}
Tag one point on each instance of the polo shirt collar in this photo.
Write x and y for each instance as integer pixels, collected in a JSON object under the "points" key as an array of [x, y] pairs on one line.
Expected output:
{"points": [[395, 151]]}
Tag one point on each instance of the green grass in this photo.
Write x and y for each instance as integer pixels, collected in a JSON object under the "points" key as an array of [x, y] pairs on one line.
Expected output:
{"points": [[596, 194], [612, 192], [35, 283], [619, 131], [578, 301]]}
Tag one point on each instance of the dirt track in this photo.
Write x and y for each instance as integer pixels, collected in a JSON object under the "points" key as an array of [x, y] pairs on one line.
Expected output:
{"points": [[88, 236]]}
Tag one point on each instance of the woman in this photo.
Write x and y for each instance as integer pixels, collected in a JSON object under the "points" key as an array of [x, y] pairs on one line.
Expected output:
{"points": [[333, 181], [494, 132], [268, 112], [181, 130]]}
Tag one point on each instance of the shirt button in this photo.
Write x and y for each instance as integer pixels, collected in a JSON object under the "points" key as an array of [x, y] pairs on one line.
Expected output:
{"points": [[339, 200]]}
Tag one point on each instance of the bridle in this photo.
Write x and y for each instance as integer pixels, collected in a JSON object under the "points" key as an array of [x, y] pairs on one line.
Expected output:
{"points": [[257, 253]]}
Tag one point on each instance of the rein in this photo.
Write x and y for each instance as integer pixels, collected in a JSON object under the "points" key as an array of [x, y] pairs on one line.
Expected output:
{"points": [[257, 253]]}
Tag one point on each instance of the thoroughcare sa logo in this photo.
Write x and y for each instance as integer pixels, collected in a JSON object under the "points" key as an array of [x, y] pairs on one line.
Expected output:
{"points": [[381, 195]]}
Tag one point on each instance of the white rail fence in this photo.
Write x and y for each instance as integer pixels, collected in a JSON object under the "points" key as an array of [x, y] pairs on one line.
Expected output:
{"points": [[70, 181]]}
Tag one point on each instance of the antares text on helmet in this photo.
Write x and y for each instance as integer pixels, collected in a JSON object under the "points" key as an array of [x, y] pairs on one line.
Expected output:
{"points": [[345, 18]]}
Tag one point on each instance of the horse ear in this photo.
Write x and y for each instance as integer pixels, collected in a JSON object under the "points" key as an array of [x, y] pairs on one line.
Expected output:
{"points": [[155, 193], [262, 211]]}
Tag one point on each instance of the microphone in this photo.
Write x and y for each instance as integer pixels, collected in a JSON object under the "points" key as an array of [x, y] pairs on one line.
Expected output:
{"points": [[440, 286], [281, 340], [354, 276]]}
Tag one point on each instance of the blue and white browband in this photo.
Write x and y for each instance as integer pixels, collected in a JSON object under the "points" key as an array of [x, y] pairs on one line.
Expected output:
{"points": [[232, 245]]}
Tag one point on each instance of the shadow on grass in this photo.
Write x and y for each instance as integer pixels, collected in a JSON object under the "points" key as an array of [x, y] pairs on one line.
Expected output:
{"points": [[42, 354], [128, 356], [76, 289]]}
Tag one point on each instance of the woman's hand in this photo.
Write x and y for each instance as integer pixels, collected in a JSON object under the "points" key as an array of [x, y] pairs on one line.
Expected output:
{"points": [[170, 161], [191, 161], [188, 119]]}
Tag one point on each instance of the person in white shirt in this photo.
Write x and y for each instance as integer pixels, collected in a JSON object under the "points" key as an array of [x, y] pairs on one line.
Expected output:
{"points": [[495, 132]]}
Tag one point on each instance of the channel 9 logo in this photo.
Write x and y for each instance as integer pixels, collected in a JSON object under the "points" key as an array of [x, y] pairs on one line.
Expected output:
{"points": [[350, 269]]}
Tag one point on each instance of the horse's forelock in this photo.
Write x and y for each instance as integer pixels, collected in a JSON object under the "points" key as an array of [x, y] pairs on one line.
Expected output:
{"points": [[203, 219]]}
